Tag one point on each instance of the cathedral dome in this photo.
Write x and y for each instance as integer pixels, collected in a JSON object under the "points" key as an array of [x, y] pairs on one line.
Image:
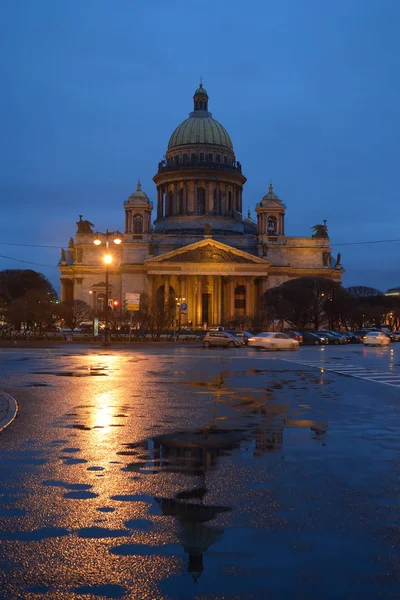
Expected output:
{"points": [[200, 127], [200, 130], [139, 196]]}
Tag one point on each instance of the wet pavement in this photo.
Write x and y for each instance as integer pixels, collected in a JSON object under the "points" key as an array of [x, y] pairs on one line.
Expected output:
{"points": [[177, 472]]}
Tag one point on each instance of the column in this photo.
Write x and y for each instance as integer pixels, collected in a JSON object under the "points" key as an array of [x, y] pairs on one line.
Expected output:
{"points": [[262, 288], [219, 300], [190, 289], [222, 299], [232, 285], [166, 291], [159, 203], [63, 289], [209, 200], [215, 301], [150, 289], [249, 305], [199, 300], [78, 290], [195, 197], [223, 200]]}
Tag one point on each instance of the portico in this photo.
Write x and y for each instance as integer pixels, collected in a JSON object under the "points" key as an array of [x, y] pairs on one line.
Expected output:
{"points": [[217, 281]]}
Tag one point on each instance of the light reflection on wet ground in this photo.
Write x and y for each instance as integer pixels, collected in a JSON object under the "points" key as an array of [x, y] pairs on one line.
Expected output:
{"points": [[182, 475]]}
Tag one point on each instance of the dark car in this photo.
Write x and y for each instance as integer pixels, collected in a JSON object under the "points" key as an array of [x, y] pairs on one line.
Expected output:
{"points": [[314, 339], [333, 338], [242, 335], [353, 339], [295, 335], [360, 333]]}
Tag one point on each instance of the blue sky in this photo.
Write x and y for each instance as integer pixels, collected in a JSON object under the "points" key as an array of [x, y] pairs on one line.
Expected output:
{"points": [[308, 90]]}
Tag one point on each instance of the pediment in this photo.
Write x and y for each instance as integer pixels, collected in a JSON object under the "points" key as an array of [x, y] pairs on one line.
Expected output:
{"points": [[207, 251], [273, 204]]}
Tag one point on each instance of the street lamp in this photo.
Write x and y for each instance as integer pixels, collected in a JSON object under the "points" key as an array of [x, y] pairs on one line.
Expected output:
{"points": [[107, 260], [178, 301]]}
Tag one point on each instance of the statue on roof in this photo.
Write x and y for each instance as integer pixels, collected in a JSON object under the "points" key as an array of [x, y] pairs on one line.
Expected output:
{"points": [[320, 231], [207, 229], [338, 259], [71, 243], [84, 226], [63, 256]]}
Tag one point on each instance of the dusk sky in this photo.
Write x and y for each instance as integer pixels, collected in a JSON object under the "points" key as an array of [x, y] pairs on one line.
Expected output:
{"points": [[309, 92]]}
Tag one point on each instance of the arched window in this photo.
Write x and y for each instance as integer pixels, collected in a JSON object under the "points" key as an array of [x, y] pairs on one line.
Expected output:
{"points": [[138, 224], [272, 227], [181, 202], [201, 201]]}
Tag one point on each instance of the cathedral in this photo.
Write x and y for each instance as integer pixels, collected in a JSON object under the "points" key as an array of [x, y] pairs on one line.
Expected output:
{"points": [[200, 248]]}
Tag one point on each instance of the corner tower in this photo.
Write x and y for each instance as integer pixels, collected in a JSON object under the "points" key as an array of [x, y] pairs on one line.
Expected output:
{"points": [[200, 182]]}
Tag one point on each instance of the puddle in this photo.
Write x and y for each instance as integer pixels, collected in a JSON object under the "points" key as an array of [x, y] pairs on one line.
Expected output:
{"points": [[71, 373], [98, 533], [80, 495], [108, 590], [33, 536]]}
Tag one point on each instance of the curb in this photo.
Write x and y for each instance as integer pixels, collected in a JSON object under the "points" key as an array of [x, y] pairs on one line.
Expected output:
{"points": [[12, 410]]}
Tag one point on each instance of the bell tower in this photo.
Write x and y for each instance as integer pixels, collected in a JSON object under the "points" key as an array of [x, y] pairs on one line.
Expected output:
{"points": [[138, 213], [271, 216]]}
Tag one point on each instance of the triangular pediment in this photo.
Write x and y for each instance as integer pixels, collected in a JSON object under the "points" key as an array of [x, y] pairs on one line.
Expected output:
{"points": [[207, 251]]}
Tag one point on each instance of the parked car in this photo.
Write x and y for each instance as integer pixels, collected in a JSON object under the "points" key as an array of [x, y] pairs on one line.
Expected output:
{"points": [[396, 336], [314, 339], [272, 340], [360, 333], [221, 339], [333, 337], [376, 338], [242, 335], [295, 335], [353, 339]]}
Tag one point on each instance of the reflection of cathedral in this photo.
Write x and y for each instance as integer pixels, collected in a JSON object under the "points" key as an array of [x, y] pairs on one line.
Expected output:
{"points": [[201, 246]]}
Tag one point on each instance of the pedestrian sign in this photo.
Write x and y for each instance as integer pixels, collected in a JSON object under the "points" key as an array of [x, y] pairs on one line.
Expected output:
{"points": [[184, 308]]}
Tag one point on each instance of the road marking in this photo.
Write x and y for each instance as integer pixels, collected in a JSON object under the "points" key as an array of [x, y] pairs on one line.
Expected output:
{"points": [[349, 370]]}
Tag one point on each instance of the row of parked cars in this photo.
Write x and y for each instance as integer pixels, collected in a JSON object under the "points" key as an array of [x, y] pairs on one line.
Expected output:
{"points": [[292, 339]]}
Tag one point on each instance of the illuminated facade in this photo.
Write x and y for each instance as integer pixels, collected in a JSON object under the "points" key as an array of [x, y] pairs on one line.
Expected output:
{"points": [[200, 245]]}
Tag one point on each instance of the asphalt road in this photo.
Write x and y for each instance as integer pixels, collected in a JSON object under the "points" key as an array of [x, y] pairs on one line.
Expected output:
{"points": [[178, 472]]}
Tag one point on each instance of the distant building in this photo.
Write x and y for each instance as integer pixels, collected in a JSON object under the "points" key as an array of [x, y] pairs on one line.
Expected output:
{"points": [[201, 246], [393, 291]]}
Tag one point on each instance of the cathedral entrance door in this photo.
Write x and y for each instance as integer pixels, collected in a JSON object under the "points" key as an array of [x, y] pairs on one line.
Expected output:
{"points": [[205, 308]]}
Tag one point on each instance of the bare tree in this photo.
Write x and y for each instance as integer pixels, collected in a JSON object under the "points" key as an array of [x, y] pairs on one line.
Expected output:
{"points": [[74, 312]]}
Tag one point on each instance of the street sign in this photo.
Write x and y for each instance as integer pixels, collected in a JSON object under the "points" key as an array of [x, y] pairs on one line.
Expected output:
{"points": [[132, 301], [184, 308]]}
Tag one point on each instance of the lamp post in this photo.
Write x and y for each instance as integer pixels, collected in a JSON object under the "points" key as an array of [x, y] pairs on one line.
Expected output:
{"points": [[178, 306], [107, 260]]}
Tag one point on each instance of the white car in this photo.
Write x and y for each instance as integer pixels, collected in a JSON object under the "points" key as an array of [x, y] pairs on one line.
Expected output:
{"points": [[272, 340], [376, 338]]}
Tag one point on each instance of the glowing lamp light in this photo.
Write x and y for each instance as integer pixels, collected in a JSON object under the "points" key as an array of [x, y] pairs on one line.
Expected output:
{"points": [[115, 303], [107, 259], [97, 240], [117, 239]]}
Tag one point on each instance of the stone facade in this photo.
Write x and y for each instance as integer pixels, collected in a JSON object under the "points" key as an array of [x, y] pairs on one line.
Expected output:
{"points": [[200, 246]]}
